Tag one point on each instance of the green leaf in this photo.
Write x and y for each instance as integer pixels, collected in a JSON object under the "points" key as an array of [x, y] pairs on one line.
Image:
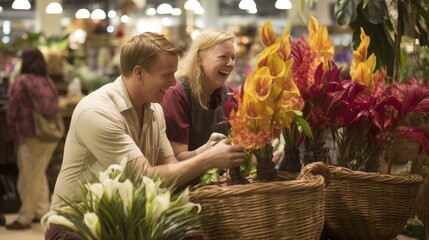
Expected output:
{"points": [[305, 127], [376, 12], [381, 41], [346, 11]]}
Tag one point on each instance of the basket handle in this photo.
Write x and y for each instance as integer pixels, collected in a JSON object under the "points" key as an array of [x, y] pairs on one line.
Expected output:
{"points": [[316, 168]]}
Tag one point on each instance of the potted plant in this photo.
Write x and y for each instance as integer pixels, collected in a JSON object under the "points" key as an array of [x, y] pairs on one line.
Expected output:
{"points": [[359, 198]]}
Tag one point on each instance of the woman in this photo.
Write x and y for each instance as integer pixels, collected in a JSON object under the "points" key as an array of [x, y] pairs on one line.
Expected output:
{"points": [[195, 107], [31, 90]]}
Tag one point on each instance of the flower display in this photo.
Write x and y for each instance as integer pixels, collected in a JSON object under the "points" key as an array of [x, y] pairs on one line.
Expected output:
{"points": [[318, 79], [268, 102], [373, 112], [296, 82], [117, 205]]}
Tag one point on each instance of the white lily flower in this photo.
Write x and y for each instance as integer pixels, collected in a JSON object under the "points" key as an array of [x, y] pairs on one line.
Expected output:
{"points": [[96, 190], [110, 187], [160, 204], [60, 220], [182, 199], [150, 188], [126, 192], [190, 205], [92, 222], [111, 172]]}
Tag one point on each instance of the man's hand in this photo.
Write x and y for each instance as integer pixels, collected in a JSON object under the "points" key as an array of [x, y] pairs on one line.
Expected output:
{"points": [[223, 155]]}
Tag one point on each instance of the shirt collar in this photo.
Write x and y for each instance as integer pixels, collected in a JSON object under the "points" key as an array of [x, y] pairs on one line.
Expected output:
{"points": [[123, 99]]}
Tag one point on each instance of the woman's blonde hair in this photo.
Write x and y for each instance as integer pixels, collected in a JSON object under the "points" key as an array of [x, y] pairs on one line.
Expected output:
{"points": [[190, 67], [143, 49]]}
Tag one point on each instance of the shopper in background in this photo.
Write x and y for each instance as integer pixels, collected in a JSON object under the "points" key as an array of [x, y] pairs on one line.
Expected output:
{"points": [[122, 122], [32, 88], [195, 107]]}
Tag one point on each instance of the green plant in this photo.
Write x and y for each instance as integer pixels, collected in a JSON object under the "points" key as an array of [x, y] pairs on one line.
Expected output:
{"points": [[120, 205], [386, 21]]}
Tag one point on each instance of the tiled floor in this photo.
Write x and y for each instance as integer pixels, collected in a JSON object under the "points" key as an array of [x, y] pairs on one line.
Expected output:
{"points": [[36, 232]]}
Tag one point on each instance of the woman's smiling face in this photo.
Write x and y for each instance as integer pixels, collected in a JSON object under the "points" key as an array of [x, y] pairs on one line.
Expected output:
{"points": [[217, 63]]}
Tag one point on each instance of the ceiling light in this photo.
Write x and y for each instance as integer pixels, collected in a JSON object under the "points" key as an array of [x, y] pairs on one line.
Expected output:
{"points": [[176, 12], [111, 14], [21, 5], [283, 4], [151, 12], [125, 18], [6, 27], [247, 4], [98, 14], [199, 11], [252, 11], [191, 5], [54, 8], [164, 8], [82, 13], [1, 8]]}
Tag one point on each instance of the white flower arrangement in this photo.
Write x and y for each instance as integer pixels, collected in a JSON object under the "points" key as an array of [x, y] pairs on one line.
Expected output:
{"points": [[128, 206]]}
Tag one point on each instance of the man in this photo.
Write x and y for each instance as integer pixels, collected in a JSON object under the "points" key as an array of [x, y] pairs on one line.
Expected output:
{"points": [[123, 122]]}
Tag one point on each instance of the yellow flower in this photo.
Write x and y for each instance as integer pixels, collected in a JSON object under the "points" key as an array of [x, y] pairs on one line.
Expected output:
{"points": [[261, 83], [284, 46], [362, 69], [267, 34], [359, 55], [262, 110], [319, 41], [286, 82], [250, 107]]}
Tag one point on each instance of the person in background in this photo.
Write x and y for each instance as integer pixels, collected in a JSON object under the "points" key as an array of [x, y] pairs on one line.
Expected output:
{"points": [[195, 107], [31, 90], [123, 123], [2, 219]]}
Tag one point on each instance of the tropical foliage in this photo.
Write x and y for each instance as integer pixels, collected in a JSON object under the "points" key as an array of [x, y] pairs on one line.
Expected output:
{"points": [[387, 21], [374, 112]]}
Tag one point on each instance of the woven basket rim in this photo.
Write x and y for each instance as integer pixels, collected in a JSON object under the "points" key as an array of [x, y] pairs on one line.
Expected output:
{"points": [[262, 187], [346, 173]]}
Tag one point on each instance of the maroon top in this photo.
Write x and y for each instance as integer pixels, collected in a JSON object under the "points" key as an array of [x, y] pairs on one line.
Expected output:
{"points": [[177, 110], [27, 93]]}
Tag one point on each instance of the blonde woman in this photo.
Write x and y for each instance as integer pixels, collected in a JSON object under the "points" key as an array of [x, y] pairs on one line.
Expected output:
{"points": [[195, 107]]}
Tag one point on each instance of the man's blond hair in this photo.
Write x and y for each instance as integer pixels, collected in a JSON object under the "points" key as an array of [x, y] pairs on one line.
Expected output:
{"points": [[143, 49]]}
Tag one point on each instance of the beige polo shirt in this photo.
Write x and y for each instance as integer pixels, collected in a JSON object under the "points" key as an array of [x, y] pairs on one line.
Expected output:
{"points": [[104, 130]]}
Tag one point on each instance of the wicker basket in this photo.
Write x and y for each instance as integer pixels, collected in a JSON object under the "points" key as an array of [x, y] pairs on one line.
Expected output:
{"points": [[290, 209], [361, 205]]}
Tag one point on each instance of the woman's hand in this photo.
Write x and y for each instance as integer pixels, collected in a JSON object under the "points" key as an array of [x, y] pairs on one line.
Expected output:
{"points": [[213, 140]]}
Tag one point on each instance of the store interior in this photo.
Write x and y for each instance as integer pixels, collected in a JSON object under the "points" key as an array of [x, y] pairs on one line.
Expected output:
{"points": [[82, 51]]}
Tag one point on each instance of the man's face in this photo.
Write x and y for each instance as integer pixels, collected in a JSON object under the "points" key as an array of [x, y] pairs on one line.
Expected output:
{"points": [[160, 77]]}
